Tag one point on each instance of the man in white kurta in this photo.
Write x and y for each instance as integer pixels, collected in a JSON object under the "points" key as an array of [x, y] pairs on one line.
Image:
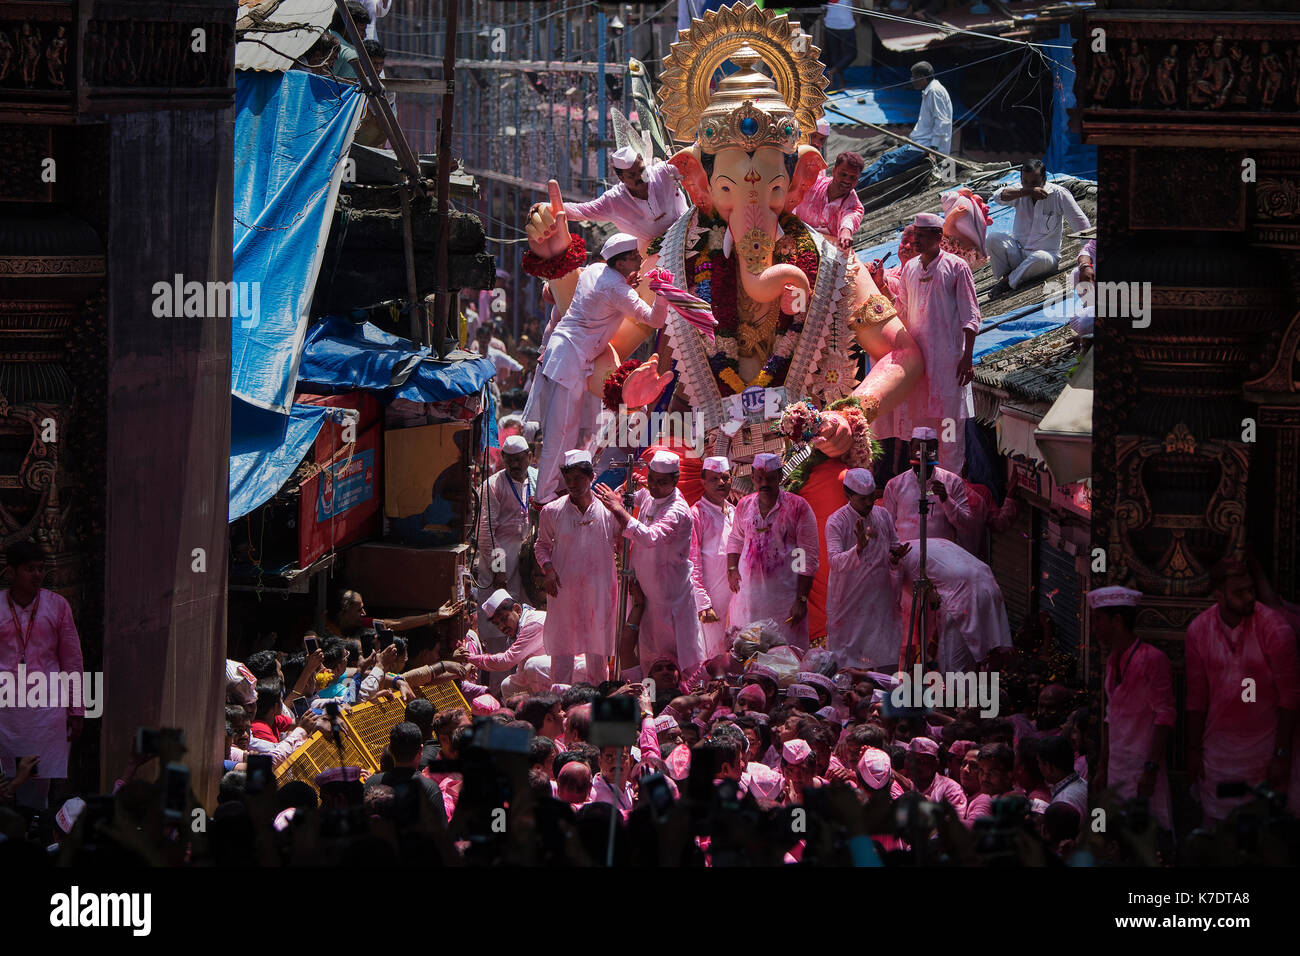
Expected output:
{"points": [[972, 617], [772, 555], [525, 626], [1033, 248], [504, 500], [862, 629], [1140, 707], [646, 201], [714, 516], [37, 634], [560, 402], [950, 509], [936, 301], [660, 557], [576, 535]]}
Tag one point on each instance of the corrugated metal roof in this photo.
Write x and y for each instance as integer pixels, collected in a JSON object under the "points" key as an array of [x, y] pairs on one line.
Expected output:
{"points": [[272, 33], [1034, 370]]}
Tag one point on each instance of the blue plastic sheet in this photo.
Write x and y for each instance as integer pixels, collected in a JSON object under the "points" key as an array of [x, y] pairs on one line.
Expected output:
{"points": [[1065, 152], [292, 133], [265, 448], [340, 355], [885, 104]]}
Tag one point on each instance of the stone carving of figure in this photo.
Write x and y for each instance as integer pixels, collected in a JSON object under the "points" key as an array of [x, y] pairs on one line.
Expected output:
{"points": [[1270, 75], [6, 55], [1137, 69], [1103, 77], [56, 56], [1167, 77], [1195, 65], [29, 53], [1215, 84], [1245, 75], [108, 73], [94, 44]]}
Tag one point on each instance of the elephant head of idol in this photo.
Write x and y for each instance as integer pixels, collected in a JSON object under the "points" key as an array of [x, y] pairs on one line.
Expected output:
{"points": [[747, 168]]}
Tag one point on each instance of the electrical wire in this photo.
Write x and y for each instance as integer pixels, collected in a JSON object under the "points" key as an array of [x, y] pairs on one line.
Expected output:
{"points": [[949, 29]]}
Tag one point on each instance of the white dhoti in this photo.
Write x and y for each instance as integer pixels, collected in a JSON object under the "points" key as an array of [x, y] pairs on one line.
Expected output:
{"points": [[973, 619]]}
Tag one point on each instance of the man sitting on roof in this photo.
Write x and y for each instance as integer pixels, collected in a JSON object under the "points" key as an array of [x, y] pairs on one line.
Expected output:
{"points": [[1034, 245], [933, 129]]}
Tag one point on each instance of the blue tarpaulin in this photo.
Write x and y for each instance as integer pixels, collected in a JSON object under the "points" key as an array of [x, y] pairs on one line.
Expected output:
{"points": [[889, 102], [265, 449], [340, 355], [292, 133], [1065, 152]]}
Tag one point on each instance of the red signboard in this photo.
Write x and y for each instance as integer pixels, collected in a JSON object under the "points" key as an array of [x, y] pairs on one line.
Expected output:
{"points": [[341, 504]]}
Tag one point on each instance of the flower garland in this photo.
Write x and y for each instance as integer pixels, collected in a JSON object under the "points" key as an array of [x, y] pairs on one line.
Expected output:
{"points": [[865, 448], [614, 384], [800, 422], [557, 266], [714, 278]]}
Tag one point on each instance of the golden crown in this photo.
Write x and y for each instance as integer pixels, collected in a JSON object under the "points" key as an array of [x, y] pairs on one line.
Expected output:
{"points": [[749, 108], [747, 111]]}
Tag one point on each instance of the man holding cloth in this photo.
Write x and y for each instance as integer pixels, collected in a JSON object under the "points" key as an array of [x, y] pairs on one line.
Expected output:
{"points": [[1140, 708], [560, 402], [713, 517], [772, 555], [644, 204], [862, 546], [936, 301], [575, 549], [660, 556]]}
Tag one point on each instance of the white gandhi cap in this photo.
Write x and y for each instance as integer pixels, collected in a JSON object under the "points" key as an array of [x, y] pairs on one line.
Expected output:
{"points": [[1113, 596], [498, 597], [766, 461], [616, 245], [859, 480], [823, 127], [665, 463], [514, 445], [717, 463], [625, 158], [925, 434], [576, 457]]}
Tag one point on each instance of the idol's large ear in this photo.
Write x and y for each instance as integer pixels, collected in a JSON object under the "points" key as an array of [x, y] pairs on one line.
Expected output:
{"points": [[806, 170], [687, 162]]}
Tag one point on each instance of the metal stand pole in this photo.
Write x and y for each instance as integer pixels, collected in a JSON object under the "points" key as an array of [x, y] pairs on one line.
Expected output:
{"points": [[624, 570], [916, 627], [618, 790]]}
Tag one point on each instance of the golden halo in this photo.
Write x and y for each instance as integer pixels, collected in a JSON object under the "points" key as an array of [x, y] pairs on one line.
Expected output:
{"points": [[783, 46]]}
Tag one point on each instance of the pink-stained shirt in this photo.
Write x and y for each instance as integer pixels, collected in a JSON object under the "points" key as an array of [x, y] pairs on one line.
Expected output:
{"points": [[949, 791], [828, 216], [937, 304], [859, 639], [1139, 698], [902, 498], [766, 545], [280, 751], [528, 643], [53, 647], [1239, 734], [603, 792], [709, 535], [647, 219], [601, 301], [580, 544], [660, 556]]}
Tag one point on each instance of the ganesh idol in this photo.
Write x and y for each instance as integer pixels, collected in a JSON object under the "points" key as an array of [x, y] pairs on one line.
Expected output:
{"points": [[783, 306]]}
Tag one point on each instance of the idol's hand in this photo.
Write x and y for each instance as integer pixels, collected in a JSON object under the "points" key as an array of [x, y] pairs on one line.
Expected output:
{"points": [[548, 225]]}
